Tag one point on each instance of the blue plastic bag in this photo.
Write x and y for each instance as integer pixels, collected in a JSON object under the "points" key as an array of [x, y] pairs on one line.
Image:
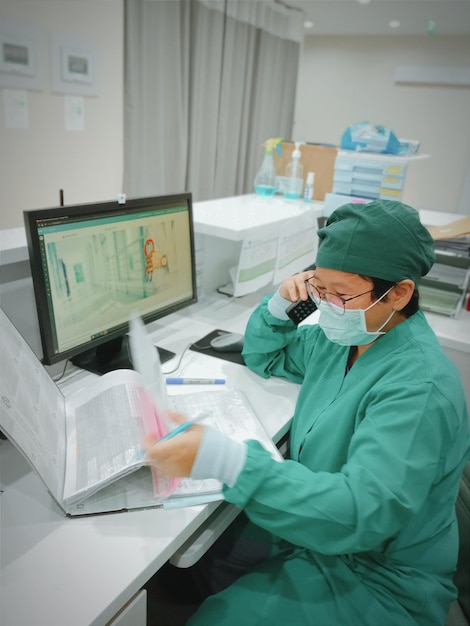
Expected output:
{"points": [[364, 137]]}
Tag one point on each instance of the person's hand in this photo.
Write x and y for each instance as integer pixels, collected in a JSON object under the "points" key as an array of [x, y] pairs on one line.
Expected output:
{"points": [[294, 287], [175, 457]]}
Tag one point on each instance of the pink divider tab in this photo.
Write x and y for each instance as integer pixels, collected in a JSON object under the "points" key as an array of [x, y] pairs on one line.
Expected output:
{"points": [[156, 426]]}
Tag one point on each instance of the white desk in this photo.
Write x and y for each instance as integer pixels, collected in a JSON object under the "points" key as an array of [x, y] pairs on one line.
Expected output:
{"points": [[57, 571]]}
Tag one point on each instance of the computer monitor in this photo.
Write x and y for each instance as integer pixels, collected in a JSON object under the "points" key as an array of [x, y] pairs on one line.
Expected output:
{"points": [[93, 265]]}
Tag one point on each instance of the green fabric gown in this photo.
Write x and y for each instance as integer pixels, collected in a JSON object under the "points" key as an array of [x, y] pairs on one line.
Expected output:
{"points": [[362, 515]]}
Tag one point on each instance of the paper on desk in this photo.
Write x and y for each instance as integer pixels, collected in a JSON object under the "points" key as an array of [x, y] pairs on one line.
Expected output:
{"points": [[297, 246], [275, 252], [256, 263]]}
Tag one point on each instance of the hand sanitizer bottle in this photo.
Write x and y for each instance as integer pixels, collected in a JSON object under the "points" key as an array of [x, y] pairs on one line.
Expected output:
{"points": [[265, 179], [294, 175], [308, 189]]}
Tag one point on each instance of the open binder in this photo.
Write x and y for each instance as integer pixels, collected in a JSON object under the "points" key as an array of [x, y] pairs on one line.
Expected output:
{"points": [[86, 448]]}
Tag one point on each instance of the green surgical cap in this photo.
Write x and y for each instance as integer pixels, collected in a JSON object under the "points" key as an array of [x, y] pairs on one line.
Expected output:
{"points": [[382, 239]]}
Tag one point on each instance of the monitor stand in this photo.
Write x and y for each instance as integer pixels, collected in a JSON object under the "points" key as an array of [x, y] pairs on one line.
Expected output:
{"points": [[112, 355]]}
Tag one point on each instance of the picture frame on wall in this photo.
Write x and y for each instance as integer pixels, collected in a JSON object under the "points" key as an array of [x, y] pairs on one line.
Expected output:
{"points": [[77, 66], [16, 56], [74, 66], [21, 57]]}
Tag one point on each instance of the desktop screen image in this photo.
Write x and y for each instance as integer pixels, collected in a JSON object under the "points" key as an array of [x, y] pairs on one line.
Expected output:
{"points": [[95, 265]]}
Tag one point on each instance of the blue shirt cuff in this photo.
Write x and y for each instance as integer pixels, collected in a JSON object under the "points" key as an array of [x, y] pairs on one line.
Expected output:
{"points": [[219, 457], [277, 306]]}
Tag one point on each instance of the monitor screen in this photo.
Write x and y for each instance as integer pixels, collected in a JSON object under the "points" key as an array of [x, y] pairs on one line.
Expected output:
{"points": [[93, 265]]}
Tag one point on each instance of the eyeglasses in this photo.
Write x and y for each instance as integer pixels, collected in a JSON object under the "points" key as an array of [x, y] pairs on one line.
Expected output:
{"points": [[336, 303]]}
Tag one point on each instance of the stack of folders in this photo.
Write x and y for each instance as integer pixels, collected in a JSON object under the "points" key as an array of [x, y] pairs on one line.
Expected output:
{"points": [[453, 238], [457, 245]]}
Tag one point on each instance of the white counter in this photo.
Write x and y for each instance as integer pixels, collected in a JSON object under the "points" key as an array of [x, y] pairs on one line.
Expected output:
{"points": [[237, 217], [228, 218], [13, 247]]}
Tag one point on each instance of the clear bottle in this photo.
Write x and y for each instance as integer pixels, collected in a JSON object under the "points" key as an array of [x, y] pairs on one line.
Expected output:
{"points": [[294, 181], [309, 187], [265, 179]]}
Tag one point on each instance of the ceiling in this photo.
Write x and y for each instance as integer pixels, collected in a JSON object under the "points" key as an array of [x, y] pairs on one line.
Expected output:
{"points": [[373, 17]]}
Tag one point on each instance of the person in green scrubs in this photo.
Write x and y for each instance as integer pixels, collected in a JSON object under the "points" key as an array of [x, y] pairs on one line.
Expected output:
{"points": [[359, 519]]}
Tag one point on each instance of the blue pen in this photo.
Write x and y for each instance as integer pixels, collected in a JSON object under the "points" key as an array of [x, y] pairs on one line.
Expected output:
{"points": [[184, 426], [195, 381], [176, 431]]}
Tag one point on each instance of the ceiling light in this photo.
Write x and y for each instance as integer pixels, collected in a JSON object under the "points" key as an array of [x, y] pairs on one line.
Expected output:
{"points": [[394, 24], [364, 1], [308, 24]]}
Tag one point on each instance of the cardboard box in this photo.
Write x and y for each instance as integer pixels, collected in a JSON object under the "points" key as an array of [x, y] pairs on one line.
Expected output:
{"points": [[316, 158], [458, 228]]}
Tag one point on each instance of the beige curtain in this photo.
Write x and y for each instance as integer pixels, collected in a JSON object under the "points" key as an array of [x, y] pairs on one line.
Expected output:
{"points": [[206, 83]]}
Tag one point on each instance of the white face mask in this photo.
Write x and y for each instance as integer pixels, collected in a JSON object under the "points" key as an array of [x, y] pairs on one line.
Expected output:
{"points": [[350, 328]]}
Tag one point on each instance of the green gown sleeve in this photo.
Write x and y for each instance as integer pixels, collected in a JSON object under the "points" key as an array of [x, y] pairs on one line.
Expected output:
{"points": [[265, 347]]}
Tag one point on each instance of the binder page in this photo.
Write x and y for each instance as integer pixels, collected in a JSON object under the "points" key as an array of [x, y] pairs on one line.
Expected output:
{"points": [[32, 409], [105, 428], [146, 361], [229, 411], [157, 426]]}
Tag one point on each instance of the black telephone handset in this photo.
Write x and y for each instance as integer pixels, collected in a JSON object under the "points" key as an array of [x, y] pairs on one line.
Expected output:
{"points": [[298, 311]]}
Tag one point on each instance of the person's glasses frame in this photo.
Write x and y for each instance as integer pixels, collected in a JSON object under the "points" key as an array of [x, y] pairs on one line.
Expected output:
{"points": [[335, 302]]}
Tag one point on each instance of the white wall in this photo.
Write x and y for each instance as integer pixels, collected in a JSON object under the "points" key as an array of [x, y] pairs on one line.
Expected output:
{"points": [[344, 80], [36, 162]]}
